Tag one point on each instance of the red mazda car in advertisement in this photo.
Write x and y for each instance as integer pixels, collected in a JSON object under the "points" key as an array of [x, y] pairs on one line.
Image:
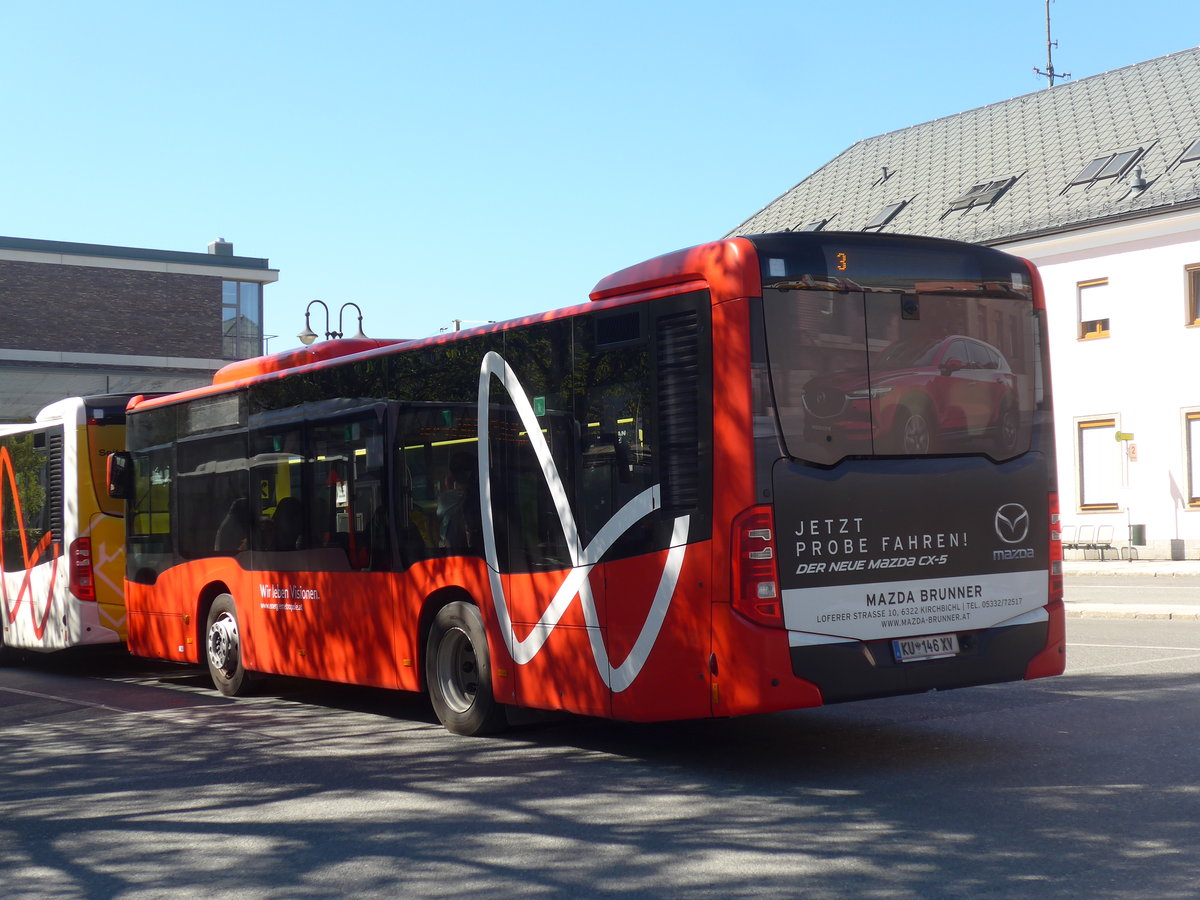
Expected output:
{"points": [[918, 397]]}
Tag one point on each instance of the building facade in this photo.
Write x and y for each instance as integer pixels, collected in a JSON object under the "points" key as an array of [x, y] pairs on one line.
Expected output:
{"points": [[94, 319], [1097, 181]]}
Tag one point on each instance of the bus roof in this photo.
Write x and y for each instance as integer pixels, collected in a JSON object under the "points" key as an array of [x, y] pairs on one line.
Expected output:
{"points": [[728, 268]]}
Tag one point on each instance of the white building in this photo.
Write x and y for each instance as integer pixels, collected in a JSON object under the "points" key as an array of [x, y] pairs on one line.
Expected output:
{"points": [[1098, 182]]}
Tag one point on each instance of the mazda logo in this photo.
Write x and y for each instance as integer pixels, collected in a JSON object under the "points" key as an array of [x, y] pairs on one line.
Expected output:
{"points": [[1012, 523]]}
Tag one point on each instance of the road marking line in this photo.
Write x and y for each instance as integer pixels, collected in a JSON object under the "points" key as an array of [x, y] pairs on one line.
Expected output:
{"points": [[1130, 587], [89, 704], [1136, 662], [1133, 647]]}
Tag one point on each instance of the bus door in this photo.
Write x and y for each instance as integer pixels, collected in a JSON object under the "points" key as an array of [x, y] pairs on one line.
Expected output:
{"points": [[321, 530]]}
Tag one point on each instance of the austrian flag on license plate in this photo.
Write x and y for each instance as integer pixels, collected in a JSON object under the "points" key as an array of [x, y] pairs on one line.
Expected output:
{"points": [[934, 646]]}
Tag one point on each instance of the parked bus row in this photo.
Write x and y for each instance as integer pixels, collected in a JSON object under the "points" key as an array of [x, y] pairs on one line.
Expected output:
{"points": [[760, 474]]}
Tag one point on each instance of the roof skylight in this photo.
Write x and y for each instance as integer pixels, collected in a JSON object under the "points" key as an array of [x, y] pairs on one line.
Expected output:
{"points": [[982, 194], [1108, 166], [885, 215]]}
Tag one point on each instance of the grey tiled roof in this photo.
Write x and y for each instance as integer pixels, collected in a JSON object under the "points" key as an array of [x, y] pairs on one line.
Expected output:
{"points": [[1043, 140]]}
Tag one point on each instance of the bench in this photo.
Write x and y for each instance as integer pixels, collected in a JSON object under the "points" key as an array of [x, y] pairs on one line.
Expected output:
{"points": [[1088, 537]]}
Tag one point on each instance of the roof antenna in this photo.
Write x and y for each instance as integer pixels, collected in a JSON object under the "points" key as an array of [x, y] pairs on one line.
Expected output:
{"points": [[1050, 74]]}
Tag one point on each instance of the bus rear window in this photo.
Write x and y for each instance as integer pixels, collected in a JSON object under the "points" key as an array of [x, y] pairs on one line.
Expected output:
{"points": [[936, 369]]}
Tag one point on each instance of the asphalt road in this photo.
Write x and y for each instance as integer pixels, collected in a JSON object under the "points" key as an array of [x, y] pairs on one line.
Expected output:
{"points": [[129, 779]]}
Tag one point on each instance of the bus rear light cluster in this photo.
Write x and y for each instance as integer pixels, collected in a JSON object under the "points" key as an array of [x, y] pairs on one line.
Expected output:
{"points": [[755, 573], [82, 578], [1056, 551]]}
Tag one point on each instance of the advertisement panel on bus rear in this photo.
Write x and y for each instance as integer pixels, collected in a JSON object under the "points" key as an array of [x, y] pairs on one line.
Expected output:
{"points": [[919, 548]]}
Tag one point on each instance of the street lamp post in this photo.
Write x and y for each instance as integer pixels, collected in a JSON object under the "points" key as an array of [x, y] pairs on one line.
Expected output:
{"points": [[307, 336]]}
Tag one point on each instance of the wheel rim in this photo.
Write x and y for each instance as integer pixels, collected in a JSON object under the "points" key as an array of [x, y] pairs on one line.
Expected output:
{"points": [[223, 643], [1008, 429], [457, 670], [916, 434]]}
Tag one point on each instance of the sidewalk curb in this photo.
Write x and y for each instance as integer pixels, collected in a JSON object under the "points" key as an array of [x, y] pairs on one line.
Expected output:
{"points": [[1140, 569], [1128, 611]]}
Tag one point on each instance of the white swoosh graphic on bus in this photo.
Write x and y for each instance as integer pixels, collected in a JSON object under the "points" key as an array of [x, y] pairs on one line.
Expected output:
{"points": [[583, 557]]}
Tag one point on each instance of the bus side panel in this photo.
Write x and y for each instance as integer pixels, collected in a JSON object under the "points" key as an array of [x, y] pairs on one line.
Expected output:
{"points": [[1052, 660], [161, 618], [658, 637], [754, 668], [336, 626], [166, 619], [105, 527], [562, 674], [427, 584], [107, 534], [35, 607], [751, 663]]}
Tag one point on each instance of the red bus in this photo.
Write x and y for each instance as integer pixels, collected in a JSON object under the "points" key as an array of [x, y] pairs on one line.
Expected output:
{"points": [[761, 474]]}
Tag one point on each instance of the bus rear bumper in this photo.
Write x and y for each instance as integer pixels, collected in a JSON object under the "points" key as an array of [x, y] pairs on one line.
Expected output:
{"points": [[859, 670]]}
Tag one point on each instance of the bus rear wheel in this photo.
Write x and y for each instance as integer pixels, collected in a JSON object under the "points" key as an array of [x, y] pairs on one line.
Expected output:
{"points": [[458, 672], [223, 649]]}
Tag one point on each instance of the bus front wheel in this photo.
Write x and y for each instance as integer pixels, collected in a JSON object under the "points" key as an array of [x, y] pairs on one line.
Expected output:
{"points": [[223, 649], [458, 672]]}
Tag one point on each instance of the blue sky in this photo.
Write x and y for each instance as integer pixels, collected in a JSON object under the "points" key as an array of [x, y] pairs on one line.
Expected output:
{"points": [[473, 160]]}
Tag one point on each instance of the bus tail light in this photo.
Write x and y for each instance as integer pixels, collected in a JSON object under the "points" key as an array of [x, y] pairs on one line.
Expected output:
{"points": [[755, 573], [1056, 551], [82, 578]]}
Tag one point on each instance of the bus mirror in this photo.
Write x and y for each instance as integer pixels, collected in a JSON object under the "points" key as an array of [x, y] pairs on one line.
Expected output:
{"points": [[120, 475]]}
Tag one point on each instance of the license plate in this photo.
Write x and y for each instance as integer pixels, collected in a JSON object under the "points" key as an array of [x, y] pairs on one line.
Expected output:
{"points": [[934, 646]]}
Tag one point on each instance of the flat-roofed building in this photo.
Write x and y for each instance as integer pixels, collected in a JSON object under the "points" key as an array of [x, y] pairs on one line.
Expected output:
{"points": [[96, 319]]}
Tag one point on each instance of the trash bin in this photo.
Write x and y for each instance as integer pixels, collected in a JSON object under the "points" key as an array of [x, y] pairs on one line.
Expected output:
{"points": [[1137, 535]]}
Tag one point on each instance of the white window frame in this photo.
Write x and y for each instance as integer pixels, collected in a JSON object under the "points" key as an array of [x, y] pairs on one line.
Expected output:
{"points": [[1099, 464], [1191, 456], [1191, 287], [1092, 297]]}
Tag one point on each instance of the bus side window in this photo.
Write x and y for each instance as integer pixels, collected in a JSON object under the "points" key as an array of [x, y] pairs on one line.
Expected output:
{"points": [[614, 416], [416, 500], [30, 458], [212, 482], [276, 477], [532, 535], [347, 510]]}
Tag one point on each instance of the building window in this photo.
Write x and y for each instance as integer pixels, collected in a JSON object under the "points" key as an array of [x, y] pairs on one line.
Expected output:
{"points": [[885, 215], [241, 319], [1191, 428], [983, 194], [1193, 294], [1094, 312], [1111, 165], [1099, 464], [814, 225]]}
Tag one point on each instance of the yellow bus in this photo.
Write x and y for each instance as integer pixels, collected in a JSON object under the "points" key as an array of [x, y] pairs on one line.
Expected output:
{"points": [[62, 551]]}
